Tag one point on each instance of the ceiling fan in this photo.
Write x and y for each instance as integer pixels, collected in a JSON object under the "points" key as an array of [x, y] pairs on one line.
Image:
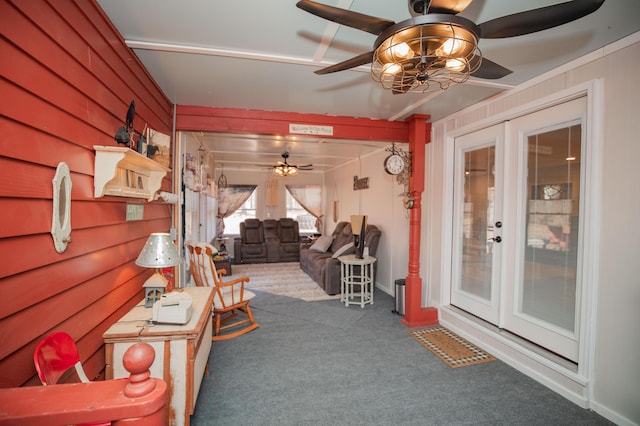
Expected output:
{"points": [[436, 49], [285, 169]]}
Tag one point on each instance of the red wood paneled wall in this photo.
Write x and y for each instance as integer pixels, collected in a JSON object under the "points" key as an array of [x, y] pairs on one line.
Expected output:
{"points": [[67, 79]]}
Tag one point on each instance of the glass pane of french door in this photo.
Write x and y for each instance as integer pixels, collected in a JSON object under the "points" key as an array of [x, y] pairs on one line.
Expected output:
{"points": [[475, 284], [551, 247]]}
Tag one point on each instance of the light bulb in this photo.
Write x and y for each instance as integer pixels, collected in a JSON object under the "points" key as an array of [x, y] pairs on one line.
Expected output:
{"points": [[455, 64], [391, 68], [402, 50], [451, 46]]}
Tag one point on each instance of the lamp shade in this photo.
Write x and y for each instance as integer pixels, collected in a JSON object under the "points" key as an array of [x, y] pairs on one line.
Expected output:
{"points": [[358, 224], [158, 252]]}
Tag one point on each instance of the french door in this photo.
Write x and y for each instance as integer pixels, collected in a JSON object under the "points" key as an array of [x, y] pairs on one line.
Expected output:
{"points": [[517, 235], [477, 231]]}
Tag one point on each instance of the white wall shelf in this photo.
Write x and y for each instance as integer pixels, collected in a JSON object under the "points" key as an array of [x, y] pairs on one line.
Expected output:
{"points": [[122, 172]]}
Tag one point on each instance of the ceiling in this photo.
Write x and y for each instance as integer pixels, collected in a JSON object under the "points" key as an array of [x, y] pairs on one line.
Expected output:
{"points": [[261, 55]]}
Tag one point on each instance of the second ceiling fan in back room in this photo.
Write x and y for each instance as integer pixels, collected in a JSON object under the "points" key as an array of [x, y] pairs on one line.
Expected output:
{"points": [[436, 49], [283, 168]]}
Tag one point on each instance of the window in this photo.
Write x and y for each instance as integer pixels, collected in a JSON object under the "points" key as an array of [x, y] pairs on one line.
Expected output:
{"points": [[306, 221], [246, 211]]}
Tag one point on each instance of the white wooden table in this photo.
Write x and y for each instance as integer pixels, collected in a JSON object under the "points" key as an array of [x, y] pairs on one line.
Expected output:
{"points": [[354, 273], [182, 351]]}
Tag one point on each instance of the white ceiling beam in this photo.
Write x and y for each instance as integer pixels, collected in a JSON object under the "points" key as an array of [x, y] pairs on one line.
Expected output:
{"points": [[210, 51]]}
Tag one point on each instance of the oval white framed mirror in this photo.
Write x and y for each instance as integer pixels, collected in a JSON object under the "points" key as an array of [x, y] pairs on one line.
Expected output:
{"points": [[61, 217]]}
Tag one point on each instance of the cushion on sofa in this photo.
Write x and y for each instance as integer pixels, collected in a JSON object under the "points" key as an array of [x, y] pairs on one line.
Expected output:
{"points": [[341, 237], [322, 244], [348, 248]]}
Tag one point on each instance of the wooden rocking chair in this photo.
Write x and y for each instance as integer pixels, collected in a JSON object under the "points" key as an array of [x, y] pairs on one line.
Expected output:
{"points": [[230, 299]]}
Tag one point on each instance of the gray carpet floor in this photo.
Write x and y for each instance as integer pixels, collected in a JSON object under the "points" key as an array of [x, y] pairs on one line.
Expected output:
{"points": [[321, 363]]}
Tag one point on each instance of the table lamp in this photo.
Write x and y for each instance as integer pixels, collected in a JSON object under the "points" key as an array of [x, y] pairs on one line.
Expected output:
{"points": [[358, 227], [158, 252]]}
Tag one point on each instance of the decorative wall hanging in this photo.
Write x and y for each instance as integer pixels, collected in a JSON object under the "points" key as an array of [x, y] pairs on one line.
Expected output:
{"points": [[125, 134], [61, 217], [159, 147], [408, 200], [189, 174], [272, 192], [222, 179], [201, 169], [360, 183]]}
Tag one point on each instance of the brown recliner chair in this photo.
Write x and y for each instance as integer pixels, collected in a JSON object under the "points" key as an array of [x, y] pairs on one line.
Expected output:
{"points": [[289, 235], [253, 247]]}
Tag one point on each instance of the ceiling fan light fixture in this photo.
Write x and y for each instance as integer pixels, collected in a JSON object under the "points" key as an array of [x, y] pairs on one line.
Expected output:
{"points": [[439, 55], [435, 34], [285, 170]]}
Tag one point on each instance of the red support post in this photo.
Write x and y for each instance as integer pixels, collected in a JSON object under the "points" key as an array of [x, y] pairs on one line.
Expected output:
{"points": [[415, 315]]}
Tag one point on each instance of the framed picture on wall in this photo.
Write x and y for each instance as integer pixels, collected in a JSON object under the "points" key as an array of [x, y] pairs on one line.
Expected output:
{"points": [[159, 147]]}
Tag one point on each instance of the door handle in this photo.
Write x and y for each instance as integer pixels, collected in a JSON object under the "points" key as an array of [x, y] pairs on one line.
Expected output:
{"points": [[496, 239]]}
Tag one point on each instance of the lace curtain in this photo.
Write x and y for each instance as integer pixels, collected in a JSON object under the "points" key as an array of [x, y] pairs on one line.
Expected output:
{"points": [[231, 199], [310, 198]]}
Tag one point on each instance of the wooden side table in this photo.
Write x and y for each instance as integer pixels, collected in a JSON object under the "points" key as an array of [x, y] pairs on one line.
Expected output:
{"points": [[356, 272], [223, 264], [182, 351]]}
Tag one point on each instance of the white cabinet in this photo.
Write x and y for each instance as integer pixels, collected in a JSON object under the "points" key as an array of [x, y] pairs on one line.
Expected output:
{"points": [[182, 351], [123, 172]]}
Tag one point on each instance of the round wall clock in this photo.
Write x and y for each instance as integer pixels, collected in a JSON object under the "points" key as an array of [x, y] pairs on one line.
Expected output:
{"points": [[394, 164]]}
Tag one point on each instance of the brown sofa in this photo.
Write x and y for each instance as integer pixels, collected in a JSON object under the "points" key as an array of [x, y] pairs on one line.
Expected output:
{"points": [[324, 267], [267, 241]]}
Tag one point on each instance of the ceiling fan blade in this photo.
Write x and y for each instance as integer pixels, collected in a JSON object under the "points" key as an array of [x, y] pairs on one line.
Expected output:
{"points": [[365, 58], [452, 7], [305, 167], [356, 20], [488, 69], [539, 19]]}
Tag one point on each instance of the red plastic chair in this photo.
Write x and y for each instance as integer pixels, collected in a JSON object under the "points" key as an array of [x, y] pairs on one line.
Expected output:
{"points": [[56, 354]]}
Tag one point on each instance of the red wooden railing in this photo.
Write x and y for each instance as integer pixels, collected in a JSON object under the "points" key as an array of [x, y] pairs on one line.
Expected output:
{"points": [[139, 400]]}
